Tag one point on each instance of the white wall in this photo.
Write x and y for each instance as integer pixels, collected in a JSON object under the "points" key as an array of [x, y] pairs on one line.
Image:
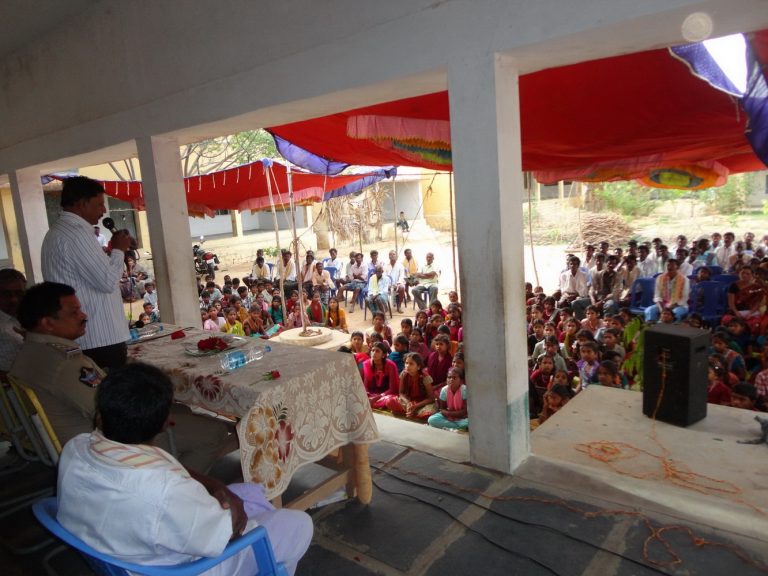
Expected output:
{"points": [[123, 70], [210, 226], [263, 220]]}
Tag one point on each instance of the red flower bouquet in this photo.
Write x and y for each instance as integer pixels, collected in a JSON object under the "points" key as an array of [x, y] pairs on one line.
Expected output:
{"points": [[211, 344]]}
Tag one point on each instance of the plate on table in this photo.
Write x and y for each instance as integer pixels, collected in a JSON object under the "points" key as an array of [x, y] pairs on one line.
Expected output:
{"points": [[223, 343]]}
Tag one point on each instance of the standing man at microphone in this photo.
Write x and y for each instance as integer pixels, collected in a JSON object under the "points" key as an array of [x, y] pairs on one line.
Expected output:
{"points": [[71, 255]]}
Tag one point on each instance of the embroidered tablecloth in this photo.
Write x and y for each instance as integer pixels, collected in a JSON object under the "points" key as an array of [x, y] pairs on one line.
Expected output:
{"points": [[317, 404]]}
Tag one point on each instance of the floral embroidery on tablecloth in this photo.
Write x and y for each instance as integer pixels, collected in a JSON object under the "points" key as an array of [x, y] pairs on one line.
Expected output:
{"points": [[210, 387]]}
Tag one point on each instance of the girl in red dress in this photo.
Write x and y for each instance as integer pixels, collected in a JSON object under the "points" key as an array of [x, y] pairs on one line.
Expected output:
{"points": [[416, 399]]}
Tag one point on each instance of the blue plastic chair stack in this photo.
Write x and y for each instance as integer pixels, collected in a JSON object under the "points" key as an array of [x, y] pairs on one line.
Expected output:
{"points": [[708, 299], [45, 511], [641, 295]]}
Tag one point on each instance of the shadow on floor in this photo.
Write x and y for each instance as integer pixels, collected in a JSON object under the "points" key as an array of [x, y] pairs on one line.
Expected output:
{"points": [[436, 517]]}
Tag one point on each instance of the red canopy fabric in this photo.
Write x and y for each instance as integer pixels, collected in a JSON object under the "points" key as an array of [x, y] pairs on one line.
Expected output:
{"points": [[643, 109], [241, 188]]}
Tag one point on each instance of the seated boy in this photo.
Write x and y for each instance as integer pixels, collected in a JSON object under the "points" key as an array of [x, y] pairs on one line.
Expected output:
{"points": [[135, 502], [589, 363]]}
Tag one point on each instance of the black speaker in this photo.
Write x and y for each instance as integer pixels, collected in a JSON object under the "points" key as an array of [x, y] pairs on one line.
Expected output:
{"points": [[677, 356]]}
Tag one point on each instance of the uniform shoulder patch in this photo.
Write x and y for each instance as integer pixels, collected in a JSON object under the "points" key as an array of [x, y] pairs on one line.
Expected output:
{"points": [[90, 377], [66, 349]]}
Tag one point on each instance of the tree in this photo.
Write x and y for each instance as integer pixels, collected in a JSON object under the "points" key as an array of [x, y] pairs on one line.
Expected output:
{"points": [[213, 154]]}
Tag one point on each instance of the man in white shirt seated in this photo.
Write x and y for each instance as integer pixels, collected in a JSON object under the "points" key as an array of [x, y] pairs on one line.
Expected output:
{"points": [[396, 273], [135, 502], [378, 290]]}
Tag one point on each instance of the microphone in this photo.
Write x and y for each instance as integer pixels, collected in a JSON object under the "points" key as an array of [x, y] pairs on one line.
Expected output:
{"points": [[109, 224]]}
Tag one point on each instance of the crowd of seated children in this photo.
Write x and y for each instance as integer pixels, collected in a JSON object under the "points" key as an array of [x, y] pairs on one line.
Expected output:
{"points": [[428, 380], [594, 349]]}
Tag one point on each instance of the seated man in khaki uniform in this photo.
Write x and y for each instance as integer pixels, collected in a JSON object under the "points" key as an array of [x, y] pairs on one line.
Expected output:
{"points": [[65, 380]]}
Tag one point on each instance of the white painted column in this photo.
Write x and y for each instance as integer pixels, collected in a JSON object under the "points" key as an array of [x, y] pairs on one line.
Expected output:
{"points": [[168, 218], [31, 219], [485, 136], [237, 223]]}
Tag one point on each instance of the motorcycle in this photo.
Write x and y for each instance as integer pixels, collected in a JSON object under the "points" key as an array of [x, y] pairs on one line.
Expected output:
{"points": [[206, 263]]}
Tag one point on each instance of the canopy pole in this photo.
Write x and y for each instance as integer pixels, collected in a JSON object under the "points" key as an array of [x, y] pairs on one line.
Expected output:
{"points": [[299, 273], [394, 207], [528, 179], [277, 236], [453, 232]]}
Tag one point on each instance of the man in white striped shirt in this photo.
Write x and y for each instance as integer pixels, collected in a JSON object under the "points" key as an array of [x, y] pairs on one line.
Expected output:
{"points": [[72, 255]]}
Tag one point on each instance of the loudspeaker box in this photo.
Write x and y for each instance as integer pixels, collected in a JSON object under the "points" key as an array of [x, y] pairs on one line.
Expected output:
{"points": [[676, 355]]}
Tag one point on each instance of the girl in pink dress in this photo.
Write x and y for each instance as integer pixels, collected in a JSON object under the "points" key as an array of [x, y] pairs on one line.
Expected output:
{"points": [[380, 378]]}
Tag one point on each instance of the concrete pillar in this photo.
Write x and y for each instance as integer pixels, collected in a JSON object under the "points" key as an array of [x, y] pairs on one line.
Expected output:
{"points": [[237, 223], [11, 229], [168, 218], [485, 137], [142, 230], [561, 190], [31, 219]]}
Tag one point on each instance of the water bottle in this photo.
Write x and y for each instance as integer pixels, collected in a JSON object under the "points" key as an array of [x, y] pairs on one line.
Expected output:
{"points": [[238, 358]]}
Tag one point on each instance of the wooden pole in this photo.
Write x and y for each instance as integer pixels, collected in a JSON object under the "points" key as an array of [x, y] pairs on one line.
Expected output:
{"points": [[394, 207], [299, 272], [453, 233], [281, 282]]}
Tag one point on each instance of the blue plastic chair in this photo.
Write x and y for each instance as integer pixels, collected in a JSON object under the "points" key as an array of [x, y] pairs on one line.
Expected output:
{"points": [[45, 511], [641, 295], [332, 273], [715, 270], [708, 299]]}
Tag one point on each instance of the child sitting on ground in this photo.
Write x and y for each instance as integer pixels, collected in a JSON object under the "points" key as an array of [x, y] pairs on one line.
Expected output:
{"points": [[592, 322], [608, 375], [232, 325], [397, 355], [458, 361], [406, 327], [549, 330], [555, 398], [380, 378], [276, 311], [536, 335], [552, 349], [569, 337], [439, 361], [744, 395], [380, 327], [538, 383], [717, 391], [416, 398], [150, 296], [435, 322], [417, 344], [453, 322], [611, 342], [588, 364], [211, 323], [452, 404]]}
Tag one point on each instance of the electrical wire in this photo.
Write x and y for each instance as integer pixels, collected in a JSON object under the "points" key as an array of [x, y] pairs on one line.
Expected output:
{"points": [[471, 529], [526, 523]]}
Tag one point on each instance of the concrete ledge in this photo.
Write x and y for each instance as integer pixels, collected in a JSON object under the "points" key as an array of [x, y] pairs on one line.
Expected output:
{"points": [[709, 448]]}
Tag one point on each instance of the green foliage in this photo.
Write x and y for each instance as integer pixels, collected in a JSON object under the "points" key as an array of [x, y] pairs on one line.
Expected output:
{"points": [[626, 198], [765, 207], [271, 251], [728, 198], [634, 340]]}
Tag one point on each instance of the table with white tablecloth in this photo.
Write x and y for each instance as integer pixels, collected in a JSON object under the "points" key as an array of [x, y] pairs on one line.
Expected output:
{"points": [[315, 407]]}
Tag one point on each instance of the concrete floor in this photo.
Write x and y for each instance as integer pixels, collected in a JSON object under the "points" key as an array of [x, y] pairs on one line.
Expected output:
{"points": [[432, 513]]}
